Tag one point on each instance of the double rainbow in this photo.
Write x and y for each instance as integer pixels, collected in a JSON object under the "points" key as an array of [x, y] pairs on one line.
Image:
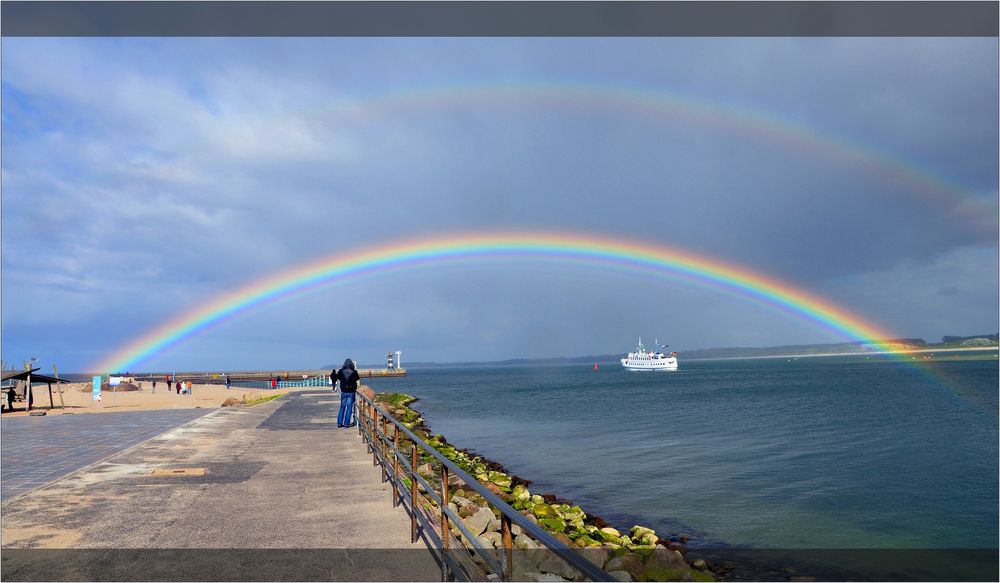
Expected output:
{"points": [[561, 247]]}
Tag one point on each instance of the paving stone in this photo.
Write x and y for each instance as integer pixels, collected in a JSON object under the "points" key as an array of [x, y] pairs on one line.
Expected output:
{"points": [[37, 450]]}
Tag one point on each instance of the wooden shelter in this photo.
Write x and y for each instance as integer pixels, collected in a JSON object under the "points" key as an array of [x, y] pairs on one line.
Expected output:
{"points": [[30, 377]]}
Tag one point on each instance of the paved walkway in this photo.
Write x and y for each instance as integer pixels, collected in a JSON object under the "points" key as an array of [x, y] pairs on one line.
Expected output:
{"points": [[37, 450], [272, 492]]}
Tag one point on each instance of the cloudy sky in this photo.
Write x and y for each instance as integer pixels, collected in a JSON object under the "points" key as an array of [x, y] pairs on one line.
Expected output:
{"points": [[145, 177]]}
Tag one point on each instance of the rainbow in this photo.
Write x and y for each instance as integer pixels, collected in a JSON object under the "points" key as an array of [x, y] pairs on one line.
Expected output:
{"points": [[977, 208], [560, 247]]}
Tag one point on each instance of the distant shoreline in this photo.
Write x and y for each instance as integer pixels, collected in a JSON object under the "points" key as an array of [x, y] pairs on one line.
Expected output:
{"points": [[606, 358], [871, 353]]}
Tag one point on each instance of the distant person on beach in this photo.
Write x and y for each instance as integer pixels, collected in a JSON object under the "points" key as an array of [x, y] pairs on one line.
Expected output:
{"points": [[229, 382], [333, 378], [348, 377], [10, 399], [154, 385], [274, 383], [178, 387]]}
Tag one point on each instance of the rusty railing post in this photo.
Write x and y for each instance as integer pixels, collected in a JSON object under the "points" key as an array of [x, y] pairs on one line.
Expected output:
{"points": [[384, 438], [508, 546], [374, 433], [395, 467], [413, 492], [361, 418], [445, 526], [358, 415]]}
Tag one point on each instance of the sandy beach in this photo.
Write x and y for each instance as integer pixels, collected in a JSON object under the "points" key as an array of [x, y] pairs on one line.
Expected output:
{"points": [[77, 398]]}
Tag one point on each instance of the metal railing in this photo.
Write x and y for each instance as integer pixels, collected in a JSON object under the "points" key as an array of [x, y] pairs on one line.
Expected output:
{"points": [[317, 381], [401, 469]]}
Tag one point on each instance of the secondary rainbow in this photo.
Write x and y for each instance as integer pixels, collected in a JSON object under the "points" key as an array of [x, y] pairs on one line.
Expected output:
{"points": [[563, 247], [962, 202]]}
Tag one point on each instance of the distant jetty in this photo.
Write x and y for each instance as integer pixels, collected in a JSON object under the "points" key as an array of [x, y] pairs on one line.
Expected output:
{"points": [[258, 375]]}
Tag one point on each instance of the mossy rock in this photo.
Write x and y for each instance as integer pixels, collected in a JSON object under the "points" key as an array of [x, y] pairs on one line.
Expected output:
{"points": [[647, 540], [543, 510], [500, 479], [605, 536], [553, 524], [702, 576], [397, 400], [520, 493], [572, 512], [666, 575], [585, 541], [537, 499]]}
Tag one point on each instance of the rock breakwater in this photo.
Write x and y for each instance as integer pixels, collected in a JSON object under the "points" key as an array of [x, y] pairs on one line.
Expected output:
{"points": [[638, 554]]}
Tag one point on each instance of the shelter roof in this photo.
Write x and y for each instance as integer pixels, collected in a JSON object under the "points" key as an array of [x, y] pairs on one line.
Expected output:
{"points": [[35, 377]]}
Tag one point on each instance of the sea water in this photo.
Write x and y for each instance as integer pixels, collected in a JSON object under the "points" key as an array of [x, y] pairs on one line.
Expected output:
{"points": [[817, 453]]}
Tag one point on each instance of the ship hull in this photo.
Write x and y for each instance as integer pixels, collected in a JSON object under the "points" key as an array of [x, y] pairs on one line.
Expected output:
{"points": [[664, 364]]}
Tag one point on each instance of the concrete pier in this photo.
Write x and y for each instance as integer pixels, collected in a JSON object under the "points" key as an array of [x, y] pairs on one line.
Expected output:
{"points": [[272, 492]]}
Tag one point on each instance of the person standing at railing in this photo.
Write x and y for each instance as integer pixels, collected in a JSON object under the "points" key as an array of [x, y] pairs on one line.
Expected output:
{"points": [[348, 377]]}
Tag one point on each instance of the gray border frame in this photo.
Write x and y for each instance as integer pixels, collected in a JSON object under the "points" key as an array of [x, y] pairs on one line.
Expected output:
{"points": [[462, 18]]}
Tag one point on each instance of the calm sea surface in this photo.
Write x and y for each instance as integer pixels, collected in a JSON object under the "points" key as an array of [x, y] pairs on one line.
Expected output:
{"points": [[837, 452]]}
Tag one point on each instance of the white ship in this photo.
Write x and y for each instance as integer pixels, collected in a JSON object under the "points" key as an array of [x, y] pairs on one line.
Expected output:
{"points": [[643, 359]]}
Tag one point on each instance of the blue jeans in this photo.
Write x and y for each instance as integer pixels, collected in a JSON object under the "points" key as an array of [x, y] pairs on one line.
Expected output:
{"points": [[346, 409]]}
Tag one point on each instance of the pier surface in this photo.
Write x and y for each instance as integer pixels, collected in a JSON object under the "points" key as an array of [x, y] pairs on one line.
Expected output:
{"points": [[39, 450], [271, 492]]}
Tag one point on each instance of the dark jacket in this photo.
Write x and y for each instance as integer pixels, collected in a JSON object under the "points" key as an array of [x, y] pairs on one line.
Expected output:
{"points": [[348, 377]]}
